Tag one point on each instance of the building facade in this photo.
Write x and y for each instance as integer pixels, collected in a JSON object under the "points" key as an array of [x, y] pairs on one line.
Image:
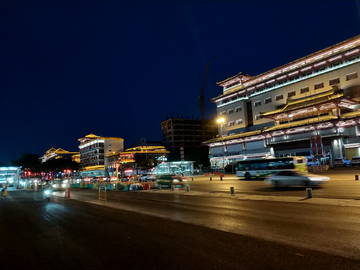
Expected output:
{"points": [[307, 107], [94, 150], [134, 159], [180, 135]]}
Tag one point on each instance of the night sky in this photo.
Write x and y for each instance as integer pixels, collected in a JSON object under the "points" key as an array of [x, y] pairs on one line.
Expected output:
{"points": [[118, 68]]}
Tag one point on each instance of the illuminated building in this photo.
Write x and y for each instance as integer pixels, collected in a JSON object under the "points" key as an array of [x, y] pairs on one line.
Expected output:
{"points": [[59, 153], [93, 152], [127, 159], [10, 175], [308, 106]]}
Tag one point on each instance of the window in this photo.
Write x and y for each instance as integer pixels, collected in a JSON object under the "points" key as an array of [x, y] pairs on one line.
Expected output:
{"points": [[351, 76], [336, 63], [222, 113], [267, 100], [239, 121], [304, 90], [318, 86], [291, 94], [230, 111], [238, 109], [334, 81], [279, 97], [231, 123], [257, 117], [257, 103]]}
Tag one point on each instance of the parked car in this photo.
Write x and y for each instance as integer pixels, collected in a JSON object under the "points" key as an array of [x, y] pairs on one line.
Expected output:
{"points": [[295, 178], [341, 162], [312, 161], [355, 161]]}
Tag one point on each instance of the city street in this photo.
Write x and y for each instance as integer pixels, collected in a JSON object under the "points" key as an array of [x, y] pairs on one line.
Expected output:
{"points": [[342, 185], [164, 229]]}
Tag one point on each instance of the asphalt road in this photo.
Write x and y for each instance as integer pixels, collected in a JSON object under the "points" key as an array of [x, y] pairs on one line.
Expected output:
{"points": [[163, 230], [342, 185]]}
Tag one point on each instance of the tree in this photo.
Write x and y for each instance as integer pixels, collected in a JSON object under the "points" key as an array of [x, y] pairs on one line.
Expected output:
{"points": [[28, 161], [59, 165]]}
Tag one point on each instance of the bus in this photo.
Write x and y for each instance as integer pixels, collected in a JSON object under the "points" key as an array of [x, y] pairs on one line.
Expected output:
{"points": [[260, 168]]}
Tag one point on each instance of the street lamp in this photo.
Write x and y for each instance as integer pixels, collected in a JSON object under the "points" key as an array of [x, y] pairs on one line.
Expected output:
{"points": [[221, 121]]}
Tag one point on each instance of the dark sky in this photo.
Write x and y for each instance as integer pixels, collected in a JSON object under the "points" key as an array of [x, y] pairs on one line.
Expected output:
{"points": [[118, 68]]}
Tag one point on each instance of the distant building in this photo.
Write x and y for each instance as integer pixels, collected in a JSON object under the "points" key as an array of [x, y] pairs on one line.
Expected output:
{"points": [[310, 106], [94, 150], [10, 175], [127, 159], [181, 136], [145, 142], [59, 153]]}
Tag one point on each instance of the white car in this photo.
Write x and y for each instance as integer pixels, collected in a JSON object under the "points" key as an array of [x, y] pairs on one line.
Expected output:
{"points": [[148, 177], [341, 162], [355, 161], [295, 178]]}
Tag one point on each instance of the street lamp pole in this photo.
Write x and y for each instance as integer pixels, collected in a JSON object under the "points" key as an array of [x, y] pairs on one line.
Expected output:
{"points": [[221, 121]]}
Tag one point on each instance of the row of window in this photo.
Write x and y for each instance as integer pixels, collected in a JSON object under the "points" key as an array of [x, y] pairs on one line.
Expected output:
{"points": [[232, 123], [296, 75], [293, 93]]}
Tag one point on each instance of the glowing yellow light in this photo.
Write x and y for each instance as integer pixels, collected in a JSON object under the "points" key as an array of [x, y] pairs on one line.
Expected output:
{"points": [[220, 120]]}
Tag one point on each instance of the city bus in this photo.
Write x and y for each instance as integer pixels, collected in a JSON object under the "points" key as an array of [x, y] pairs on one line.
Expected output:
{"points": [[260, 168]]}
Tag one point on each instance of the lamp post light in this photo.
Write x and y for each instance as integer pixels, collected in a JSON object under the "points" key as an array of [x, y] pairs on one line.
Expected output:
{"points": [[221, 121]]}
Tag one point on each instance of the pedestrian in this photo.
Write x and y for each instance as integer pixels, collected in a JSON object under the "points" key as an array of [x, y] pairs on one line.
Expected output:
{"points": [[4, 192]]}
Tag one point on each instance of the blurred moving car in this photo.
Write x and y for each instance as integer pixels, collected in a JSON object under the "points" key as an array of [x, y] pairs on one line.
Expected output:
{"points": [[147, 177], [341, 162], [295, 178], [170, 179], [355, 161]]}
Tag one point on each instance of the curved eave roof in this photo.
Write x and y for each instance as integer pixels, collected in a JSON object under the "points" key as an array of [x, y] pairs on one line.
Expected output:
{"points": [[301, 123], [288, 64], [307, 102], [235, 136]]}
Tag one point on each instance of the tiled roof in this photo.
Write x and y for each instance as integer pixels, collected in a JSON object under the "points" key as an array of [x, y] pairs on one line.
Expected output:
{"points": [[235, 136], [306, 102]]}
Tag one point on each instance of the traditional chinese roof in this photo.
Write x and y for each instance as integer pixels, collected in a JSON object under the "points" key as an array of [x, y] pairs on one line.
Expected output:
{"points": [[235, 136], [58, 151], [323, 54], [322, 118], [332, 98], [148, 149]]}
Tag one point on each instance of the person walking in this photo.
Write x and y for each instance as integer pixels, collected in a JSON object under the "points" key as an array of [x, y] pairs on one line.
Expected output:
{"points": [[4, 192]]}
